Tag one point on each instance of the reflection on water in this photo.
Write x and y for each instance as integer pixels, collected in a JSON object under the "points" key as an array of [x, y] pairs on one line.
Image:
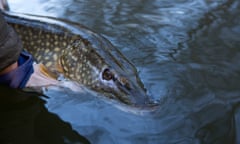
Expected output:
{"points": [[187, 53]]}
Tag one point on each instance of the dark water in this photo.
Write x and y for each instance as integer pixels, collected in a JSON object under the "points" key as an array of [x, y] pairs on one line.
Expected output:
{"points": [[187, 53]]}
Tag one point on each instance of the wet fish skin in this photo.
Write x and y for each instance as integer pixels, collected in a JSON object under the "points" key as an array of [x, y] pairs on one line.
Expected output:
{"points": [[80, 55]]}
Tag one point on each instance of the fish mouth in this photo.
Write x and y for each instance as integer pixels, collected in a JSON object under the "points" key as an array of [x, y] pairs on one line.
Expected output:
{"points": [[133, 96]]}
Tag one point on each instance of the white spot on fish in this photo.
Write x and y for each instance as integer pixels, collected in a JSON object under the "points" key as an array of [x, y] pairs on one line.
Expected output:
{"points": [[54, 57], [64, 44], [46, 58], [48, 64], [47, 44], [78, 77], [74, 58], [71, 75], [39, 57], [57, 49]]}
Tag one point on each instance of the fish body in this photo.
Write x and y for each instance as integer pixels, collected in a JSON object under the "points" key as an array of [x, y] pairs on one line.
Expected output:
{"points": [[80, 55]]}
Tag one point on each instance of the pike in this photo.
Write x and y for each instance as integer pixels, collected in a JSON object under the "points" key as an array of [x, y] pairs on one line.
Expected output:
{"points": [[80, 55]]}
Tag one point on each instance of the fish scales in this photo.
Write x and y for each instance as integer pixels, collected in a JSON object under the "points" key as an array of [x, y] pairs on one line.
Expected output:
{"points": [[43, 41], [43, 45]]}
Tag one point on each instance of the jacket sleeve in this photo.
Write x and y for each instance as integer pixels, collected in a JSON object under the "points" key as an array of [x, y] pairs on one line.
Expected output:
{"points": [[10, 44]]}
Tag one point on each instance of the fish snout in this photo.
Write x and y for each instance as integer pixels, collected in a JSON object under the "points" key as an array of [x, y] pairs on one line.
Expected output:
{"points": [[134, 94]]}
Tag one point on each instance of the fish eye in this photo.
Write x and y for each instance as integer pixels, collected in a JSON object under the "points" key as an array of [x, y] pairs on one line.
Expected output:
{"points": [[107, 75]]}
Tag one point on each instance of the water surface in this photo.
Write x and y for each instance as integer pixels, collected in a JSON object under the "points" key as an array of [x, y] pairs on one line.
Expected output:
{"points": [[187, 53]]}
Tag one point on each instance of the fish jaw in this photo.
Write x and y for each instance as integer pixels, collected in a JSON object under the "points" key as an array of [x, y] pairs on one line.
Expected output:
{"points": [[135, 94]]}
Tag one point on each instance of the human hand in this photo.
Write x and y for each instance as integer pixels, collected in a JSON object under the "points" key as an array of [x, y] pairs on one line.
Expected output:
{"points": [[41, 77]]}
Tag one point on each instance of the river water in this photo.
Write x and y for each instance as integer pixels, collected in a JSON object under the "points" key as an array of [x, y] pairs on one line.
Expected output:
{"points": [[187, 53]]}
